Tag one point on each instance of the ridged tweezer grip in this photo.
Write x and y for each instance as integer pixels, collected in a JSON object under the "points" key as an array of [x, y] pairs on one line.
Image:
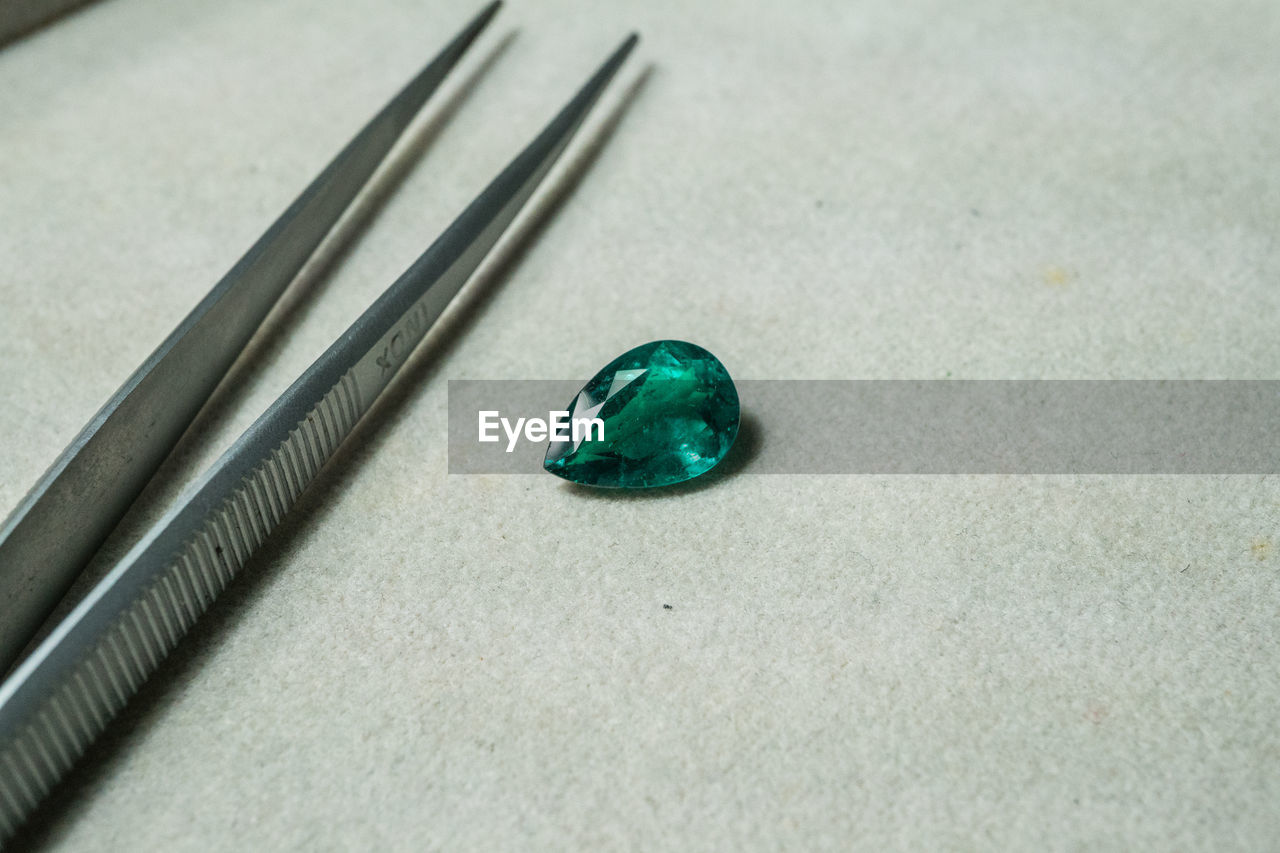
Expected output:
{"points": [[143, 633]]}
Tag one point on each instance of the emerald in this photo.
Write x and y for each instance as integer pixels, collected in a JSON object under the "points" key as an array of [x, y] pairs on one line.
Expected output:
{"points": [[669, 412]]}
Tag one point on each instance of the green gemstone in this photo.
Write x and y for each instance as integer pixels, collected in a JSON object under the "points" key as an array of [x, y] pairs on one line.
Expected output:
{"points": [[670, 413]]}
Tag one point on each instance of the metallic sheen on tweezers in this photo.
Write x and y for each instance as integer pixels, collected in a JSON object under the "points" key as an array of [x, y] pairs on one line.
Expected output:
{"points": [[55, 530], [65, 693]]}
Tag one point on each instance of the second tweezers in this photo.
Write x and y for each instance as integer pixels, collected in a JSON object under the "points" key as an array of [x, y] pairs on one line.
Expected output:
{"points": [[66, 692]]}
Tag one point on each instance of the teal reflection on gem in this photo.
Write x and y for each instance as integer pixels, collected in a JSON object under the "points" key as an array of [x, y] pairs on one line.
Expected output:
{"points": [[669, 411]]}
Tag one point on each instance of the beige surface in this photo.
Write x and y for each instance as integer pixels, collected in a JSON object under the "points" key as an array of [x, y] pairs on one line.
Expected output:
{"points": [[839, 190]]}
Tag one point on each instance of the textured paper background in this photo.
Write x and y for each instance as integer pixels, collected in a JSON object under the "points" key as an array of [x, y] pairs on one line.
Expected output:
{"points": [[987, 189]]}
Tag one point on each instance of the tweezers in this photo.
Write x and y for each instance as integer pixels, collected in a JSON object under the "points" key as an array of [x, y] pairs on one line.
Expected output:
{"points": [[65, 692]]}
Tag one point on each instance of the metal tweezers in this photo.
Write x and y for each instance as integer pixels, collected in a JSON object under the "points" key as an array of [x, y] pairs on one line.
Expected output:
{"points": [[66, 691]]}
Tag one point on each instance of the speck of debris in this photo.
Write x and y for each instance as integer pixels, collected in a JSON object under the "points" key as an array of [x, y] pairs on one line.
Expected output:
{"points": [[666, 607]]}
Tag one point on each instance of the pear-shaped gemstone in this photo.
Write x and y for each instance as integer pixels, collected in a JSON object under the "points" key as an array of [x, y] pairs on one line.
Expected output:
{"points": [[669, 413]]}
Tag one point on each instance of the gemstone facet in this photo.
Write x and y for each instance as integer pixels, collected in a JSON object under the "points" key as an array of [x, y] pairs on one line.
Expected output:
{"points": [[670, 413]]}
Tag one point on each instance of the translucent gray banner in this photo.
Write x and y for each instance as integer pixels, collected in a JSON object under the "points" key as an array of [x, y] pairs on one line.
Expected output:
{"points": [[936, 426]]}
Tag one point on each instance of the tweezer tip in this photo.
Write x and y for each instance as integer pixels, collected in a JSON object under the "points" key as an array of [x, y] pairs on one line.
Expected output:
{"points": [[620, 54], [484, 16]]}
